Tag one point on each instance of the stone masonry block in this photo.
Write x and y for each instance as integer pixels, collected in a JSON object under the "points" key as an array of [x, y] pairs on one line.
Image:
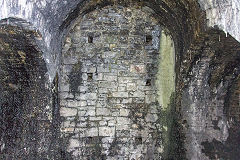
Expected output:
{"points": [[73, 143], [91, 132], [121, 89], [131, 86], [90, 113], [103, 111], [122, 127], [120, 94], [105, 84], [107, 131], [75, 103], [68, 112], [109, 78], [124, 112], [137, 94], [125, 79], [87, 96], [151, 118], [138, 68], [123, 121]]}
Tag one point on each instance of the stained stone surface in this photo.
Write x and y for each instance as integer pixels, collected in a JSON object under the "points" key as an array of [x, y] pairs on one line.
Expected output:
{"points": [[109, 105], [207, 80], [25, 97], [210, 99], [47, 15]]}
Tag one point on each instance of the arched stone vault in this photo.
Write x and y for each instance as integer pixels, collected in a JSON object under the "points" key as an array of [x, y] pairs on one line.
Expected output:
{"points": [[184, 19], [25, 98], [207, 78], [186, 24], [131, 59], [210, 77]]}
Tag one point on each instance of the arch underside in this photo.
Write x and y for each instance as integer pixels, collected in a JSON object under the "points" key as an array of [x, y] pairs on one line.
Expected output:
{"points": [[206, 98], [24, 121], [118, 65]]}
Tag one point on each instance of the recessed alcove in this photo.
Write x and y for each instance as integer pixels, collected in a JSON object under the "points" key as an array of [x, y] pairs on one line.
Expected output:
{"points": [[148, 39], [115, 80], [130, 76], [90, 76], [24, 99], [90, 39], [148, 82]]}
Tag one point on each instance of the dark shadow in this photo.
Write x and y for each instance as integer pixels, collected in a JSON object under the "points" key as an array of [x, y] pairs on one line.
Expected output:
{"points": [[24, 123]]}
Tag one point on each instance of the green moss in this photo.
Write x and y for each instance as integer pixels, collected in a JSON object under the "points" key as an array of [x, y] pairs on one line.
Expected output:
{"points": [[166, 87]]}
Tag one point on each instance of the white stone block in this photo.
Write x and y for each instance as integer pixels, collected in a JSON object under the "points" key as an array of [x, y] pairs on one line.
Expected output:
{"points": [[73, 143], [123, 120], [121, 89], [106, 131], [137, 94], [120, 94], [74, 103], [68, 112], [122, 127], [103, 111], [131, 86], [91, 132], [109, 78], [138, 68], [90, 113], [151, 118], [124, 112]]}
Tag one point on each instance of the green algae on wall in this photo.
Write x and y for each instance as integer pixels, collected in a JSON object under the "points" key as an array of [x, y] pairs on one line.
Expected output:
{"points": [[166, 85]]}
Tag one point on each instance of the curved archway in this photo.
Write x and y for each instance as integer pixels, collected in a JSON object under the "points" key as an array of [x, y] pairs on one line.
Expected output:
{"points": [[211, 74], [186, 23], [207, 79], [24, 97], [112, 85]]}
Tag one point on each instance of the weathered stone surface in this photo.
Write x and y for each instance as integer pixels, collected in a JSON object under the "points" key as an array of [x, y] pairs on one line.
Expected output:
{"points": [[120, 94], [110, 97], [224, 14], [92, 132], [151, 118], [131, 86], [25, 97], [124, 112], [184, 21], [103, 111], [106, 131], [67, 112], [73, 143], [137, 68], [204, 99]]}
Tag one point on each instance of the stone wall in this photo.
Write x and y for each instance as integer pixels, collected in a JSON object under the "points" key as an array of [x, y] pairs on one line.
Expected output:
{"points": [[25, 97], [207, 70], [210, 99], [50, 17], [108, 92]]}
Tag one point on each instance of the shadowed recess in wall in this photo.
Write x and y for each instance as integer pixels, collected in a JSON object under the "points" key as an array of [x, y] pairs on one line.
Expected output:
{"points": [[24, 123], [210, 108], [75, 78], [110, 91]]}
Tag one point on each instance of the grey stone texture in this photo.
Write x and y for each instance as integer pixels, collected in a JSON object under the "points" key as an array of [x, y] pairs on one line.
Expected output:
{"points": [[113, 98], [47, 15], [209, 115], [52, 17]]}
